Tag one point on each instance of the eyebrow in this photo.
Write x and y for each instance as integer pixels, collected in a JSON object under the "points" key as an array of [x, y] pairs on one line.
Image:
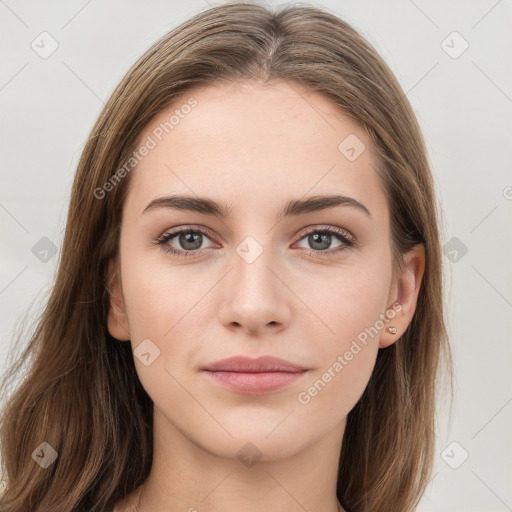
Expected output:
{"points": [[292, 208]]}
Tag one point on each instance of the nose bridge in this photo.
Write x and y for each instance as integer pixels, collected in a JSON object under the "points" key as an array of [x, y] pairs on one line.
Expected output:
{"points": [[255, 297], [253, 281]]}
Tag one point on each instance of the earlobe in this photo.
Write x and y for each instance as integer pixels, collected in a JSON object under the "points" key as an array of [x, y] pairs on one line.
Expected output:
{"points": [[117, 321], [407, 290]]}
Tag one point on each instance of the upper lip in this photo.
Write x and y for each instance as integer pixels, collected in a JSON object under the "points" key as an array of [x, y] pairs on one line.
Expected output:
{"points": [[258, 365]]}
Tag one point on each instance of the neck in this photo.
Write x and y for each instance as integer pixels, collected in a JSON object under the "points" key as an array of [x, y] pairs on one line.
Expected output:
{"points": [[184, 476]]}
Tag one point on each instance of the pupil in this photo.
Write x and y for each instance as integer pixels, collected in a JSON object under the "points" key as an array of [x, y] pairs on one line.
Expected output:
{"points": [[322, 237], [190, 238]]}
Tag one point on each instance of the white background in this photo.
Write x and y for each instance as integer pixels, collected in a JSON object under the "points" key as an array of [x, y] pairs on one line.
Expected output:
{"points": [[464, 107]]}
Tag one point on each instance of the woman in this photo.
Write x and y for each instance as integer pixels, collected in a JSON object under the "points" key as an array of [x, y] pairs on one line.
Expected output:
{"points": [[248, 307]]}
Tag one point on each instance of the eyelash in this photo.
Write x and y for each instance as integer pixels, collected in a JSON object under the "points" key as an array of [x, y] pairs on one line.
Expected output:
{"points": [[347, 240]]}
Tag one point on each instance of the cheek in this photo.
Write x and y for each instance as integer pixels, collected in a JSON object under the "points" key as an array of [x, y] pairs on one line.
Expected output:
{"points": [[166, 304], [157, 292], [347, 301], [351, 306], [339, 385], [173, 306]]}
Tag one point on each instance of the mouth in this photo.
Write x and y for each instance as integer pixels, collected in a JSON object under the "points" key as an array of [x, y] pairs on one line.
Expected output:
{"points": [[248, 365], [265, 374]]}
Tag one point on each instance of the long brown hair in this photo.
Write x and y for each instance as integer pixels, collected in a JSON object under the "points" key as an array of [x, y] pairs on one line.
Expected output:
{"points": [[81, 393]]}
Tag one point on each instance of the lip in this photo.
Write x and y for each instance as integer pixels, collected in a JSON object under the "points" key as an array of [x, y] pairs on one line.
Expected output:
{"points": [[254, 376], [260, 364]]}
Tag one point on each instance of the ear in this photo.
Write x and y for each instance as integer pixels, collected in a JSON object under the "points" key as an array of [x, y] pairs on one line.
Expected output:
{"points": [[405, 292], [117, 321]]}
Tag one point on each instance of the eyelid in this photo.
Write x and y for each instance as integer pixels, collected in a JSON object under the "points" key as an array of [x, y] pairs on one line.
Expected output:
{"points": [[187, 228], [303, 232], [328, 228], [347, 239], [171, 233]]}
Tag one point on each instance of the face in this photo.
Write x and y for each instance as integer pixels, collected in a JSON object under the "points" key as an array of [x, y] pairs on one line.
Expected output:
{"points": [[310, 284]]}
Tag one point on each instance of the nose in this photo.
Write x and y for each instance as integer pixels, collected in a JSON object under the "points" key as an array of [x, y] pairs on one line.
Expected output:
{"points": [[256, 298]]}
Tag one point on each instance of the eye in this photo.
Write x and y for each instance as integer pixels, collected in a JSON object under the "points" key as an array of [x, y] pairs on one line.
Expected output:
{"points": [[321, 239], [189, 240]]}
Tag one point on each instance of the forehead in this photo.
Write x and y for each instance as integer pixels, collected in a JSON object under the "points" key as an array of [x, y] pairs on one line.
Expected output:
{"points": [[250, 145]]}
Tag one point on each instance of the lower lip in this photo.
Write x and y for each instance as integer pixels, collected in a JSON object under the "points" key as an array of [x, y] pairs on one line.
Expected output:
{"points": [[255, 383]]}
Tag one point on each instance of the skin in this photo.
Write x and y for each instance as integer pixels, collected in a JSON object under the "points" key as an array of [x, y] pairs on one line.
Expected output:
{"points": [[254, 148]]}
